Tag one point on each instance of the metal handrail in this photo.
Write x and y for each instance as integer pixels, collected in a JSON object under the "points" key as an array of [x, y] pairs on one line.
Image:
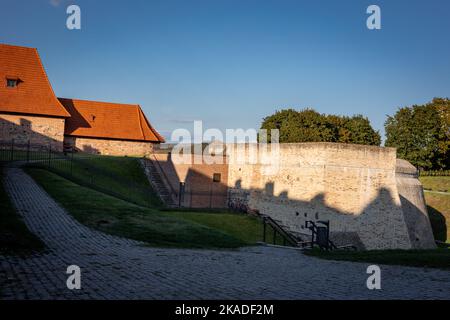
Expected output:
{"points": [[280, 230], [313, 228]]}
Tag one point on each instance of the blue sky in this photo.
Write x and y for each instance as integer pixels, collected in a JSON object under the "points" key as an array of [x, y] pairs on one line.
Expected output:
{"points": [[232, 62]]}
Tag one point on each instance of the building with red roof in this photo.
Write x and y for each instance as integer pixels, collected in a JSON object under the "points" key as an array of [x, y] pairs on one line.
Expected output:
{"points": [[30, 111], [109, 128]]}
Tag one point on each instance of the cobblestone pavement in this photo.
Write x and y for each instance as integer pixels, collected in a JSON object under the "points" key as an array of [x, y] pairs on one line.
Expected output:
{"points": [[116, 268]]}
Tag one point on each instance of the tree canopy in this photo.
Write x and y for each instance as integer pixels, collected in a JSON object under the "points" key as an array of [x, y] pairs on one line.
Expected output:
{"points": [[421, 134], [308, 125]]}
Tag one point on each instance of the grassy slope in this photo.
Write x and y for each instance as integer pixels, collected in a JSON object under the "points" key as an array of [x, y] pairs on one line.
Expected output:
{"points": [[118, 217], [113, 175], [15, 238], [438, 205], [243, 227], [126, 167], [439, 258], [436, 183]]}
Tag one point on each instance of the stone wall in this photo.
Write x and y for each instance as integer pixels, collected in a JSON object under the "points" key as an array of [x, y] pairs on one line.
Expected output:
{"points": [[110, 147], [372, 200], [413, 205], [39, 130], [352, 186]]}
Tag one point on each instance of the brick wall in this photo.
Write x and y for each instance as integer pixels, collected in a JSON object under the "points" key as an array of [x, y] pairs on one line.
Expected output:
{"points": [[39, 130], [110, 147]]}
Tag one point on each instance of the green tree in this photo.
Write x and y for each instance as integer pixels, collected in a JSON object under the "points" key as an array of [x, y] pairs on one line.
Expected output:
{"points": [[355, 129], [310, 126], [421, 134]]}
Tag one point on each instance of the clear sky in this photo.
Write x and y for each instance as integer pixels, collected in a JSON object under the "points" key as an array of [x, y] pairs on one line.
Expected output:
{"points": [[232, 62]]}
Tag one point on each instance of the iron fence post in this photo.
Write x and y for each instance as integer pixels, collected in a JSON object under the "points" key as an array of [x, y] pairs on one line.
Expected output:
{"points": [[49, 154], [28, 151], [71, 164], [180, 194], [264, 230], [210, 196]]}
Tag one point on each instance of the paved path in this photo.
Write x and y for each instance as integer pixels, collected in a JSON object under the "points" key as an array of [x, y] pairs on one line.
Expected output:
{"points": [[116, 268]]}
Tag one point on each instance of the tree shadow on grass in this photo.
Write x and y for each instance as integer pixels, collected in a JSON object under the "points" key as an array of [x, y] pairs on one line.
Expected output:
{"points": [[438, 224]]}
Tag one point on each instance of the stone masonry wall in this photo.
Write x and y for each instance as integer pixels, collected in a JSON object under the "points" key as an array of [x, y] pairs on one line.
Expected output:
{"points": [[38, 130], [413, 206], [353, 186], [110, 147]]}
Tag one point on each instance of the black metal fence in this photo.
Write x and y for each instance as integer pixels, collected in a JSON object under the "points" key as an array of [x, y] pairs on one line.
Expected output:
{"points": [[189, 195], [434, 173], [86, 170], [26, 151]]}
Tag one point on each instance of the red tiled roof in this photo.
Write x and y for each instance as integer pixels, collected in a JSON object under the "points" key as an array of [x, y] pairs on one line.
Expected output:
{"points": [[108, 120], [33, 94]]}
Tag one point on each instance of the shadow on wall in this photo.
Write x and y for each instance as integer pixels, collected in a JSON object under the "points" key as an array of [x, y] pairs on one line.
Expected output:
{"points": [[204, 185], [24, 133], [382, 220], [88, 149]]}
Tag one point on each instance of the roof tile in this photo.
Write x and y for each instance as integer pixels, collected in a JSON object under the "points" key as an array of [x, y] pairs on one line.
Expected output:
{"points": [[108, 120], [33, 94]]}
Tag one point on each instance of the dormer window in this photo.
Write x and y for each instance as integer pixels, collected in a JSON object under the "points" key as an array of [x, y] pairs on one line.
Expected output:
{"points": [[12, 83]]}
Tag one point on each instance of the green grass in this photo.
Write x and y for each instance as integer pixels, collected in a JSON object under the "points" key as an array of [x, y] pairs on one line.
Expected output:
{"points": [[156, 228], [118, 176], [243, 227], [441, 184], [124, 167], [15, 238], [438, 258], [438, 205]]}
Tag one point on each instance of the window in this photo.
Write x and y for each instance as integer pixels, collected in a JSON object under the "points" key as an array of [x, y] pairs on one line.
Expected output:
{"points": [[216, 177], [11, 83]]}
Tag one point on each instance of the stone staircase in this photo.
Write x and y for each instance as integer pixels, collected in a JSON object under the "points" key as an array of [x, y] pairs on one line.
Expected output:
{"points": [[167, 197]]}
